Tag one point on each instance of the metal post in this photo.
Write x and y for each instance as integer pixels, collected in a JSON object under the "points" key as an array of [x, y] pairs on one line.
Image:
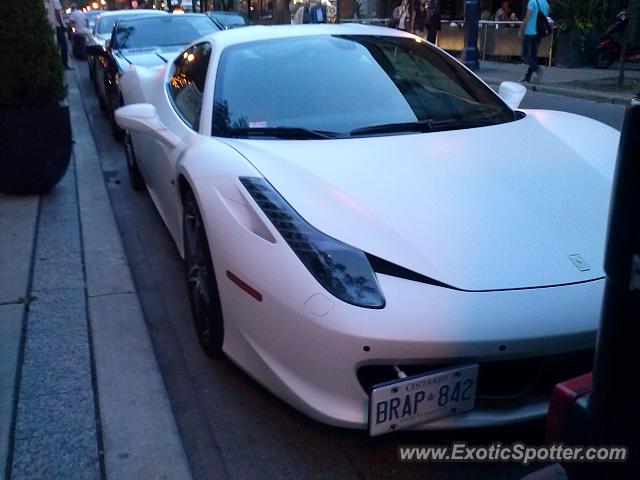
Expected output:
{"points": [[470, 50], [613, 403], [484, 43], [553, 33]]}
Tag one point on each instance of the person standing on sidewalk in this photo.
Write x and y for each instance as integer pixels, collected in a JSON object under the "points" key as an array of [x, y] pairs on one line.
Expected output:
{"points": [[530, 39], [434, 15], [54, 14]]}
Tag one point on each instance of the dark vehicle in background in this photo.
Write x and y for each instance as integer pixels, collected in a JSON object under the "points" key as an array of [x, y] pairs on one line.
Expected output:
{"points": [[228, 20], [147, 42], [101, 33], [609, 48]]}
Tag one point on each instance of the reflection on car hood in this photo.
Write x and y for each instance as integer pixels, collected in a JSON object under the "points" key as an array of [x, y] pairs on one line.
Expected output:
{"points": [[496, 207], [149, 57]]}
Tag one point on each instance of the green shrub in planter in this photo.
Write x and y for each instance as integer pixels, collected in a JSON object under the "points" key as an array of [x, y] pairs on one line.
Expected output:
{"points": [[35, 131], [578, 25]]}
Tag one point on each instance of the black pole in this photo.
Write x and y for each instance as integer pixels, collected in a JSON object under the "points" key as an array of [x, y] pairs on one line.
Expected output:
{"points": [[614, 403], [470, 50]]}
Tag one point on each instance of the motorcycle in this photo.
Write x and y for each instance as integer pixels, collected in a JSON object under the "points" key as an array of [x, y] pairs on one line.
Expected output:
{"points": [[609, 48]]}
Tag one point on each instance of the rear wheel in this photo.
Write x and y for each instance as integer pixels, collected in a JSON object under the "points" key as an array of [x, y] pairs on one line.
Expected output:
{"points": [[602, 58], [201, 280], [135, 177]]}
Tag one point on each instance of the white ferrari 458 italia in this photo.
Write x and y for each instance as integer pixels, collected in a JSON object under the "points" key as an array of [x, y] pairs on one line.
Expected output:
{"points": [[368, 229]]}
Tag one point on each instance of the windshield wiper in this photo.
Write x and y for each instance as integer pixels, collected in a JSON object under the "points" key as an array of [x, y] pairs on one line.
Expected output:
{"points": [[456, 124], [421, 126], [295, 133]]}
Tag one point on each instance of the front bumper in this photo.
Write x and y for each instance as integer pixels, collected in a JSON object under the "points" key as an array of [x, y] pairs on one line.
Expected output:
{"points": [[306, 346]]}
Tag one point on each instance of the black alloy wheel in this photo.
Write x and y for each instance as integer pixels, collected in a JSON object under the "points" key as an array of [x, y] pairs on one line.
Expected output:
{"points": [[602, 58], [115, 103], [201, 281], [135, 177]]}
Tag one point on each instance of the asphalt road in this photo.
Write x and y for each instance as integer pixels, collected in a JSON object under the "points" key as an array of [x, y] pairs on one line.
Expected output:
{"points": [[232, 427]]}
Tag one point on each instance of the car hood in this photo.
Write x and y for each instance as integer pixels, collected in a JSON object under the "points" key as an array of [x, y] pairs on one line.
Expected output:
{"points": [[147, 57], [498, 207]]}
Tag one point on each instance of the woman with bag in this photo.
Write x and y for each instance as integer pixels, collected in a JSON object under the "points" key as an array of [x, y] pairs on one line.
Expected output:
{"points": [[399, 16]]}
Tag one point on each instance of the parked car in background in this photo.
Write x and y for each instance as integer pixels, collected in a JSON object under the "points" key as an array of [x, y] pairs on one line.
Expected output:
{"points": [[91, 17], [229, 20], [101, 33], [352, 237], [146, 41]]}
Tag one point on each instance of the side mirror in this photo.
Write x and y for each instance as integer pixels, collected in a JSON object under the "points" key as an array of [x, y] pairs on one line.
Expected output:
{"points": [[143, 117], [512, 93]]}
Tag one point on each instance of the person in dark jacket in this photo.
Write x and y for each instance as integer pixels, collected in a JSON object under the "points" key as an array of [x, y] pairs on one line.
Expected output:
{"points": [[318, 12], [419, 15], [434, 15]]}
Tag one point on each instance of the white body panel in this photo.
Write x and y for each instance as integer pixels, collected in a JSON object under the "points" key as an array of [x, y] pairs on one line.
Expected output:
{"points": [[493, 210]]}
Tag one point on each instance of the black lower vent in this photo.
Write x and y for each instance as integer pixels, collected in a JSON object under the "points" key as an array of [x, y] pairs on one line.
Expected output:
{"points": [[505, 380]]}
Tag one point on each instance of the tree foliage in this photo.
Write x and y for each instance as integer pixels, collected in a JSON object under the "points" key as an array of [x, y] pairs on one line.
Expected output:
{"points": [[31, 73], [579, 15]]}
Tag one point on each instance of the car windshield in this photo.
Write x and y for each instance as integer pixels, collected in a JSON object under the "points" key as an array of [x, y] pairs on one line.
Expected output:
{"points": [[347, 84], [162, 31], [91, 17], [105, 25], [229, 20]]}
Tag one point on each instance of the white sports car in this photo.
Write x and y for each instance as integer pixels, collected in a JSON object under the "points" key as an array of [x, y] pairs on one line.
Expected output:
{"points": [[368, 229]]}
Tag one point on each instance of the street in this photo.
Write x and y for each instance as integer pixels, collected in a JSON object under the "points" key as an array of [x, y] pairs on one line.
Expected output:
{"points": [[227, 421]]}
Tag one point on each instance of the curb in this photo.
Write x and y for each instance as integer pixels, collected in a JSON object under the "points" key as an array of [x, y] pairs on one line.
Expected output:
{"points": [[139, 432], [572, 92]]}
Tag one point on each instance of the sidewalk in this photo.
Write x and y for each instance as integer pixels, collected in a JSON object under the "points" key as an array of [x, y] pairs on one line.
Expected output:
{"points": [[588, 83], [81, 394]]}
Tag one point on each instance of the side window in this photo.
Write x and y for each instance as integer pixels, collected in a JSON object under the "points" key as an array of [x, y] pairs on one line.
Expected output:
{"points": [[186, 84]]}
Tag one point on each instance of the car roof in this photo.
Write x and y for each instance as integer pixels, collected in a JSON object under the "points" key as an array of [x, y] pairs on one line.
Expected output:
{"points": [[142, 18], [139, 11], [255, 33], [221, 13]]}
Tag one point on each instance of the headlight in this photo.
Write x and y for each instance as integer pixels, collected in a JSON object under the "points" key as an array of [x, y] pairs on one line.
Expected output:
{"points": [[341, 269]]}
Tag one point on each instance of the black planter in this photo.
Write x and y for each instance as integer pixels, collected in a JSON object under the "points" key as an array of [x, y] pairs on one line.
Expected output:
{"points": [[569, 50], [35, 147]]}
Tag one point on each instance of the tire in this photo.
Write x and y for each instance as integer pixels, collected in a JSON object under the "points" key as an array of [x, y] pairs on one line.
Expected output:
{"points": [[101, 102], [89, 66], [602, 59], [135, 177], [116, 131], [201, 280]]}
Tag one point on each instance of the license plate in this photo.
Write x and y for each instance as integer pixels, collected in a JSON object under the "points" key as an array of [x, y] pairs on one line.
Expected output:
{"points": [[422, 398]]}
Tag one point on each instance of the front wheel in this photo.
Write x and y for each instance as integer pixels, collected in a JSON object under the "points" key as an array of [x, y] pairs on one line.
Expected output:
{"points": [[602, 58], [201, 280]]}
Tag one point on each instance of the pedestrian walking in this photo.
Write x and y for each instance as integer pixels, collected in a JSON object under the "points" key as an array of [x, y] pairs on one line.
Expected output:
{"points": [[54, 14], [434, 15], [318, 12], [530, 37], [303, 14], [400, 15]]}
